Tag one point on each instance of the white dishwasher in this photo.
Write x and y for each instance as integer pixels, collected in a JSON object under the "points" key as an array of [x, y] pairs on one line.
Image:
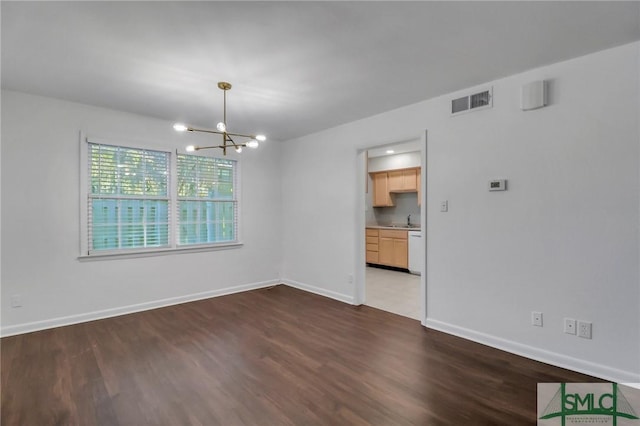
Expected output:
{"points": [[416, 252]]}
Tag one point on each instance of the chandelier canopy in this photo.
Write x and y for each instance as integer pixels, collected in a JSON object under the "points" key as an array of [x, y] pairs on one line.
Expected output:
{"points": [[221, 129]]}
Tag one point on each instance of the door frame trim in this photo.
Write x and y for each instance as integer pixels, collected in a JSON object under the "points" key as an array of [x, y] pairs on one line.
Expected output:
{"points": [[359, 295]]}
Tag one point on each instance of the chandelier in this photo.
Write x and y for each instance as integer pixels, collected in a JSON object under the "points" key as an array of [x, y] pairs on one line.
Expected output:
{"points": [[227, 137]]}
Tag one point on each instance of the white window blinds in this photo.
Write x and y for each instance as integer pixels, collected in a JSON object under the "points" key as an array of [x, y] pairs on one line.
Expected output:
{"points": [[128, 198], [207, 200]]}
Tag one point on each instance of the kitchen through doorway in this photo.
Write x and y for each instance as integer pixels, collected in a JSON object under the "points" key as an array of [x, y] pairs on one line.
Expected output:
{"points": [[394, 244]]}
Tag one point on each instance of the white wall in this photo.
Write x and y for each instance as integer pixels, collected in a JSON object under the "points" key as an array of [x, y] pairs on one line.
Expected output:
{"points": [[40, 222], [394, 161], [562, 240]]}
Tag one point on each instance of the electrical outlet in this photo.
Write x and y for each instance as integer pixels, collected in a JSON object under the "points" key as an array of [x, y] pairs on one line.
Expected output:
{"points": [[536, 318], [584, 329], [16, 301], [570, 326], [444, 206], [350, 278]]}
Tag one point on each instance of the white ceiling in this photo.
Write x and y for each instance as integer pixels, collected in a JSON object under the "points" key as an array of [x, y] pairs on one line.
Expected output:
{"points": [[296, 67]]}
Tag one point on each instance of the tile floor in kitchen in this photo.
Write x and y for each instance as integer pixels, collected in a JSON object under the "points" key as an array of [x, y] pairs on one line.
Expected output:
{"points": [[393, 291]]}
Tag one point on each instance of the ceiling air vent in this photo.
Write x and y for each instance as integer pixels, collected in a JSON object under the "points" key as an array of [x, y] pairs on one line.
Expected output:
{"points": [[480, 100]]}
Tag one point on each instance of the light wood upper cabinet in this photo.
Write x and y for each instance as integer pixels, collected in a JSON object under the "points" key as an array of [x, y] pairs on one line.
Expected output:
{"points": [[385, 183], [395, 180], [419, 186], [381, 196], [403, 180]]}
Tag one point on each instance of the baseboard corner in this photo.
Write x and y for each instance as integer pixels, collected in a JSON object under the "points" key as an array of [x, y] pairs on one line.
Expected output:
{"points": [[319, 291]]}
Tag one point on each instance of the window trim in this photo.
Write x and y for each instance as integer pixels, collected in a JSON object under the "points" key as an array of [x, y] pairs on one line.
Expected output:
{"points": [[234, 200], [173, 203], [137, 253]]}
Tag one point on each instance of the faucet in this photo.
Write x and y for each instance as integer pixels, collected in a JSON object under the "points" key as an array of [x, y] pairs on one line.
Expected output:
{"points": [[409, 221]]}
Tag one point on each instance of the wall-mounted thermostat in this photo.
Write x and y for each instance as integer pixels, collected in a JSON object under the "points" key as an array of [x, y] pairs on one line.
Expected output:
{"points": [[498, 185]]}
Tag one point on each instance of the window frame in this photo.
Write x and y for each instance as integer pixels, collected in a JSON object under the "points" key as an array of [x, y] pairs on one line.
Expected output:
{"points": [[187, 199], [173, 245]]}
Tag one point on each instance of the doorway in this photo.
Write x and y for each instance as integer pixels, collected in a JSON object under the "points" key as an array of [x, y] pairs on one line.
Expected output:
{"points": [[383, 283]]}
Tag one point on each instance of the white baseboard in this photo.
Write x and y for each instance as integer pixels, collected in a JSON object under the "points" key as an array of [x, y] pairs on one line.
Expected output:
{"points": [[129, 309], [320, 291], [553, 358]]}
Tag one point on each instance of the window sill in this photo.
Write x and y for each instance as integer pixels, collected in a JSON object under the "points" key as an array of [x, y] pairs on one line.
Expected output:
{"points": [[158, 252]]}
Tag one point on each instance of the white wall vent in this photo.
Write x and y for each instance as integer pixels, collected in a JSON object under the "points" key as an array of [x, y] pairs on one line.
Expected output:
{"points": [[480, 100]]}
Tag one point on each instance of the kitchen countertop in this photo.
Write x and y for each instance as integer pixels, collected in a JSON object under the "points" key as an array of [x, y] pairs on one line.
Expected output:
{"points": [[395, 228]]}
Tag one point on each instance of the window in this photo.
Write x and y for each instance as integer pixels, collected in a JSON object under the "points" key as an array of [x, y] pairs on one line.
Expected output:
{"points": [[132, 203], [206, 200], [128, 198]]}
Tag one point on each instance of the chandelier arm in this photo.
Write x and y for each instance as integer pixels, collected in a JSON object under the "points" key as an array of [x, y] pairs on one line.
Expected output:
{"points": [[191, 129], [240, 135], [198, 148], [231, 140]]}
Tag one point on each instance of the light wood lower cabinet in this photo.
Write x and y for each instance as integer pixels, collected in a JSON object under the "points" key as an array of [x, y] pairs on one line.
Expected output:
{"points": [[372, 245], [390, 247]]}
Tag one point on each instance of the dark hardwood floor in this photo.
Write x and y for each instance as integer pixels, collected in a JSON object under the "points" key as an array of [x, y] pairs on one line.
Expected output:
{"points": [[266, 357]]}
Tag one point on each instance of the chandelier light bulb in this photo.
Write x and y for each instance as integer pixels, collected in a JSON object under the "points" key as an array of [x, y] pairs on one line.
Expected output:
{"points": [[190, 148], [179, 127], [238, 149], [252, 143], [261, 138], [221, 127]]}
